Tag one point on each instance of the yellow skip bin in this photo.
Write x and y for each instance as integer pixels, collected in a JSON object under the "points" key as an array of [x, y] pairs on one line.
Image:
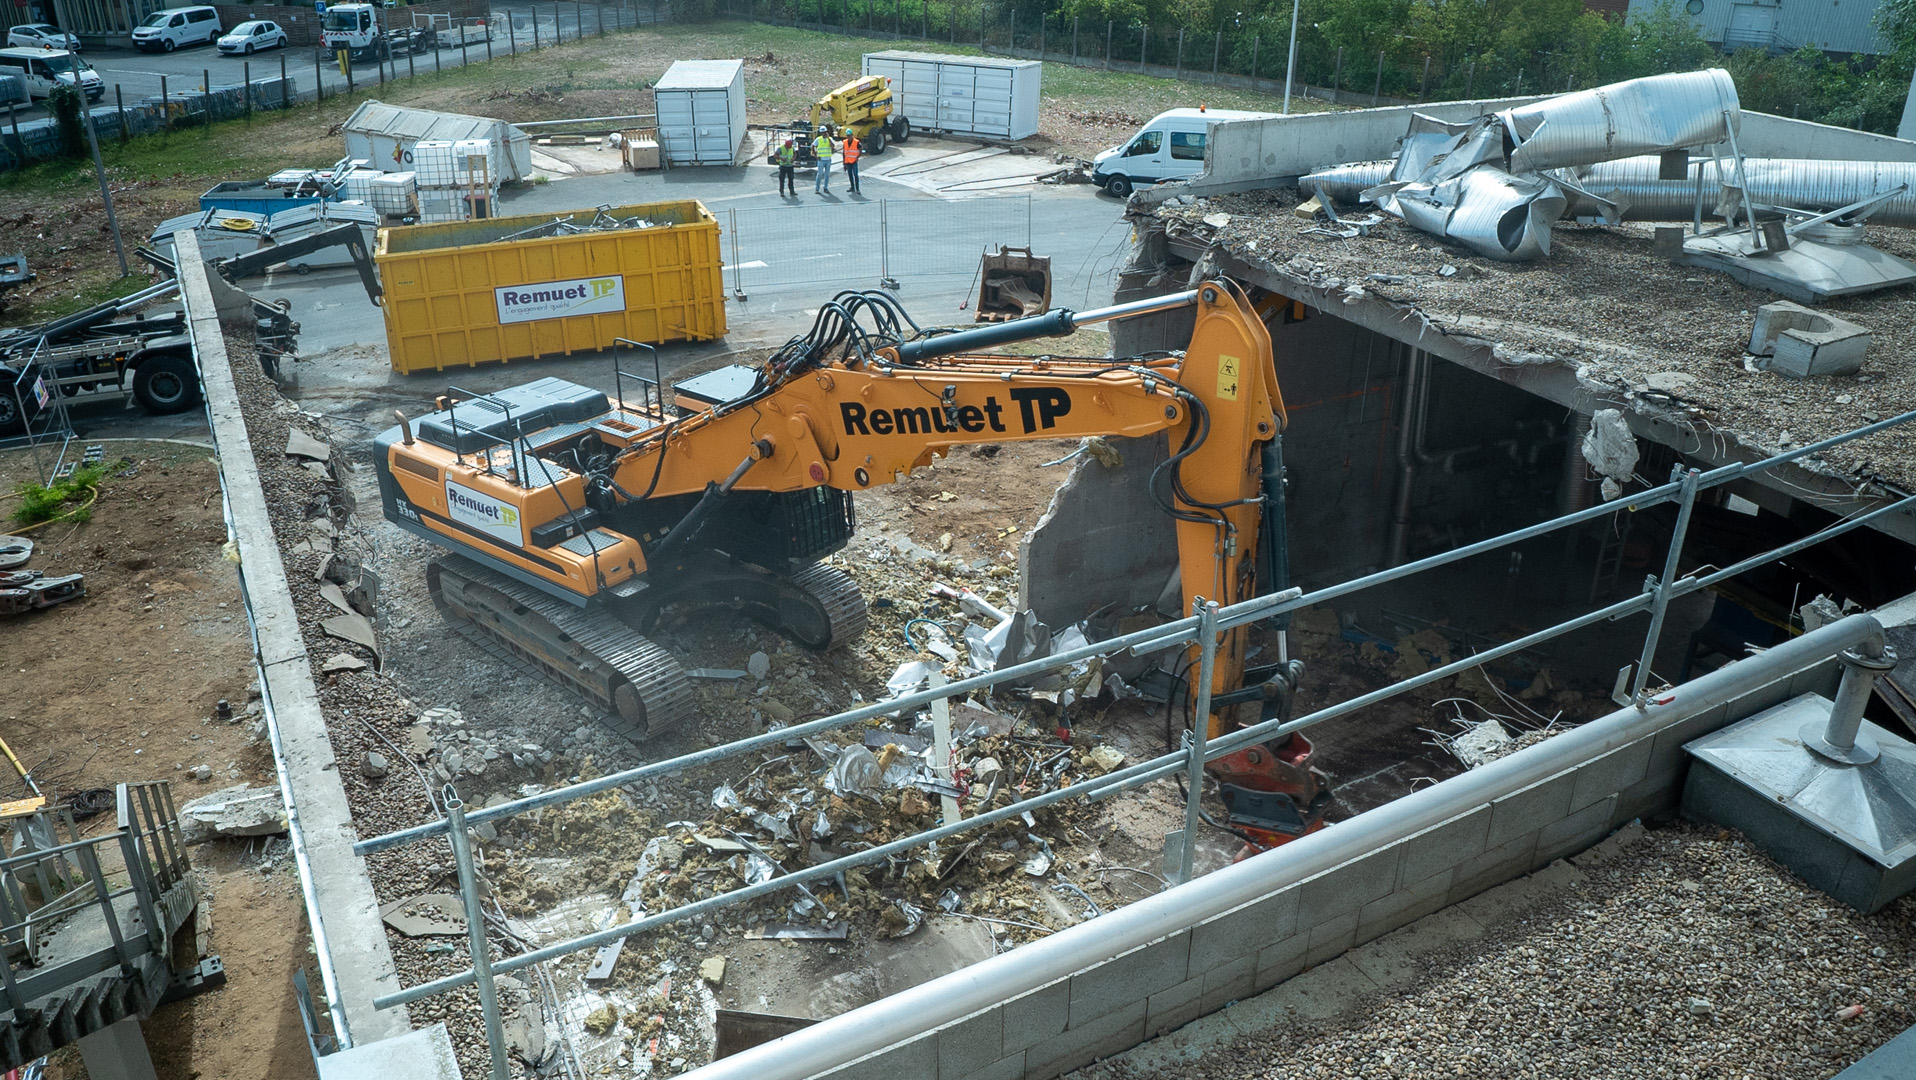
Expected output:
{"points": [[518, 288]]}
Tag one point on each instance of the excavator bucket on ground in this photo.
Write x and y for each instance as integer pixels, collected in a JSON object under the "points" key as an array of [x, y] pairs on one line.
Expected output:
{"points": [[1013, 283]]}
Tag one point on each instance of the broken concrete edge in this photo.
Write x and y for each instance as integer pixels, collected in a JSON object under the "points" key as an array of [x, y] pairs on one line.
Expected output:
{"points": [[355, 961], [1553, 378]]}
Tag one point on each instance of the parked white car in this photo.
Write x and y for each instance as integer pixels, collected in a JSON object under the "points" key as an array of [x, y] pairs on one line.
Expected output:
{"points": [[41, 36], [252, 36], [170, 28]]}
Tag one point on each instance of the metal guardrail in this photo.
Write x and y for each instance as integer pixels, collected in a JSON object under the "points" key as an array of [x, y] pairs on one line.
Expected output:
{"points": [[54, 884], [1204, 629]]}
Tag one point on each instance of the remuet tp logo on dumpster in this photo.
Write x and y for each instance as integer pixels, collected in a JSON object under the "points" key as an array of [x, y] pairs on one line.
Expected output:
{"points": [[559, 299]]}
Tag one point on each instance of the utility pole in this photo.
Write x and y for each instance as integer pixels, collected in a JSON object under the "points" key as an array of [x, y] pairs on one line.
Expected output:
{"points": [[1290, 64], [106, 195]]}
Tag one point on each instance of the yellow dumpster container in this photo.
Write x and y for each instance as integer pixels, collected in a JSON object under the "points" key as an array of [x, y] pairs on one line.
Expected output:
{"points": [[473, 292]]}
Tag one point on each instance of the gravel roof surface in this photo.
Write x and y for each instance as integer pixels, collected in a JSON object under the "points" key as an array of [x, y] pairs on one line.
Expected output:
{"points": [[1648, 333], [1688, 955]]}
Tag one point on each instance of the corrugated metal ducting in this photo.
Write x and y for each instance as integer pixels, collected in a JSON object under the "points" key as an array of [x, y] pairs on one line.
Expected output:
{"points": [[1641, 116]]}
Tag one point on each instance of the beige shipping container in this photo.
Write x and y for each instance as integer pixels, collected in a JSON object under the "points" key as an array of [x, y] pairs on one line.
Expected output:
{"points": [[518, 288]]}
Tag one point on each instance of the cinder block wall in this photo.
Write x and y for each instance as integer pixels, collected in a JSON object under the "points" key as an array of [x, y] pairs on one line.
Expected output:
{"points": [[1161, 986]]}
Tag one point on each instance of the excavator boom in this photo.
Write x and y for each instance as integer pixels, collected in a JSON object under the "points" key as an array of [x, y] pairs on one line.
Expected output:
{"points": [[739, 488]]}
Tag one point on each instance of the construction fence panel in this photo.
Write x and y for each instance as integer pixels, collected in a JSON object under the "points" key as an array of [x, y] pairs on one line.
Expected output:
{"points": [[923, 249], [943, 239], [833, 243]]}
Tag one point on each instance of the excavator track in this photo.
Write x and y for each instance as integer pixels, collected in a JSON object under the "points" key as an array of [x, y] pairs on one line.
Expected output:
{"points": [[822, 607], [644, 690]]}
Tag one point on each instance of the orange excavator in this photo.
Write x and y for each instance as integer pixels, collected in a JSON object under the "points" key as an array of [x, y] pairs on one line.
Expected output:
{"points": [[574, 519]]}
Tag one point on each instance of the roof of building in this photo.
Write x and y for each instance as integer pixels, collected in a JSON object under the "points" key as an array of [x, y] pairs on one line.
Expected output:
{"points": [[1683, 953], [1635, 329]]}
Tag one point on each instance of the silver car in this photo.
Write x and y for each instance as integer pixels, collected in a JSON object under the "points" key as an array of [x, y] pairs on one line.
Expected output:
{"points": [[252, 36]]}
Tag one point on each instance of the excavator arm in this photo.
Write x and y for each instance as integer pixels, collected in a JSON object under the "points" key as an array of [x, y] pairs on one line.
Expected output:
{"points": [[590, 499], [856, 424]]}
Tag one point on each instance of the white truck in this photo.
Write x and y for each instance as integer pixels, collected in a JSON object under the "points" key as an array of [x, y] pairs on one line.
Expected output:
{"points": [[368, 34]]}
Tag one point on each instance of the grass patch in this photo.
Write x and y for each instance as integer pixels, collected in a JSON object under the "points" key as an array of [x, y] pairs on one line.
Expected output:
{"points": [[69, 498]]}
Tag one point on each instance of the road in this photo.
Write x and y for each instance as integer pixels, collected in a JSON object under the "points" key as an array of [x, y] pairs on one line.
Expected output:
{"points": [[137, 75]]}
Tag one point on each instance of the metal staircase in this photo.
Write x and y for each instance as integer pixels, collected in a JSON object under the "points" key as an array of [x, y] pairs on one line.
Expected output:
{"points": [[87, 924]]}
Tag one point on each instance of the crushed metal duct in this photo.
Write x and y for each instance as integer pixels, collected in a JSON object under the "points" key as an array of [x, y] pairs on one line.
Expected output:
{"points": [[1487, 210], [1641, 116], [1632, 185], [1487, 184]]}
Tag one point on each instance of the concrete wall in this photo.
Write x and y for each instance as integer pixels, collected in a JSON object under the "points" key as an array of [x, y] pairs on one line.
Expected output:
{"points": [[1103, 541], [356, 962], [1254, 153], [1763, 135], [1264, 153], [1167, 983]]}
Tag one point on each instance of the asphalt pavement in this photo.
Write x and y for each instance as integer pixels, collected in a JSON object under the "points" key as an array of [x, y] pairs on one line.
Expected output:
{"points": [[794, 254], [137, 75], [785, 255]]}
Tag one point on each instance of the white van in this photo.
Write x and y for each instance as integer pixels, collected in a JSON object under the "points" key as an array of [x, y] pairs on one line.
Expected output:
{"points": [[45, 69], [170, 28], [1170, 147]]}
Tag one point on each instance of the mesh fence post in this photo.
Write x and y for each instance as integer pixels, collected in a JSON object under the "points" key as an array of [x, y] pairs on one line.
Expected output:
{"points": [[884, 246], [738, 264]]}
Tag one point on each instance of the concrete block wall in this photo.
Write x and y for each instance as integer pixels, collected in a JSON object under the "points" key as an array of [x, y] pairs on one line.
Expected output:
{"points": [[1162, 985]]}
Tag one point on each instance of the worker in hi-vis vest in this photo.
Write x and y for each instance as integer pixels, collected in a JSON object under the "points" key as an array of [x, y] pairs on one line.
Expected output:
{"points": [[787, 158], [851, 152], [822, 146]]}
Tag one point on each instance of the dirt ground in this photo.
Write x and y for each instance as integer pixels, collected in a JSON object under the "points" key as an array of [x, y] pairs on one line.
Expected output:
{"points": [[121, 686]]}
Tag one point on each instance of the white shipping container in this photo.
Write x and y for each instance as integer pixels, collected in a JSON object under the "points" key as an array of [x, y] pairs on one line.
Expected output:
{"points": [[701, 109], [986, 97], [389, 135]]}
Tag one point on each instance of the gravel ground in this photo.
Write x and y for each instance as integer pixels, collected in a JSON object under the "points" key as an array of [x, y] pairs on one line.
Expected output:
{"points": [[1641, 331], [1689, 955], [356, 703]]}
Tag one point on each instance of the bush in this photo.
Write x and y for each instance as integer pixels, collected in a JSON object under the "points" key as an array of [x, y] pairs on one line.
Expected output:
{"points": [[70, 497], [66, 104]]}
